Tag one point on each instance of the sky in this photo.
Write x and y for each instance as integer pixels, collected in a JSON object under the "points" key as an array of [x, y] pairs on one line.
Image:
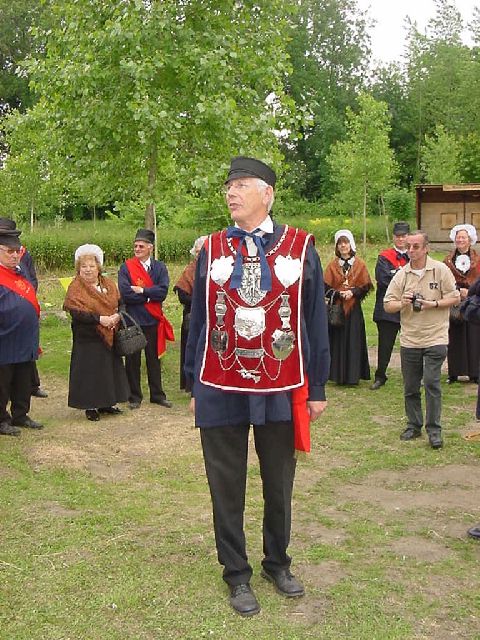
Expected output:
{"points": [[388, 36]]}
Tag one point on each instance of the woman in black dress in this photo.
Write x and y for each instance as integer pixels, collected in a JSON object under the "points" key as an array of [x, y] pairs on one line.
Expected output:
{"points": [[463, 354], [97, 375], [347, 282], [184, 289]]}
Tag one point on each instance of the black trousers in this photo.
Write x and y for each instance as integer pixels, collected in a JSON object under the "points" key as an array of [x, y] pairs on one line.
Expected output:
{"points": [[387, 334], [35, 376], [16, 387], [225, 452], [154, 370]]}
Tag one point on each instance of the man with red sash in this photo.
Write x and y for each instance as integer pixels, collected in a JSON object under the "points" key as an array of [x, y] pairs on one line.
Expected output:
{"points": [[143, 284], [388, 324], [258, 357], [19, 334], [28, 271]]}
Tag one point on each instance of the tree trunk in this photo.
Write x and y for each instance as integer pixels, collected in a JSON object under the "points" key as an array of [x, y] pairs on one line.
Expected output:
{"points": [[152, 178], [365, 218], [385, 216], [94, 215], [32, 213]]}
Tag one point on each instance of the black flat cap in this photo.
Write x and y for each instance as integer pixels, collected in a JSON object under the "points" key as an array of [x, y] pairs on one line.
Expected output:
{"points": [[401, 228], [7, 224], [243, 167], [145, 235], [10, 239]]}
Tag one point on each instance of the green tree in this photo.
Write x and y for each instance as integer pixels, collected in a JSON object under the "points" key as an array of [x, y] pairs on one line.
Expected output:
{"points": [[329, 52], [440, 157], [28, 182], [152, 98], [363, 166]]}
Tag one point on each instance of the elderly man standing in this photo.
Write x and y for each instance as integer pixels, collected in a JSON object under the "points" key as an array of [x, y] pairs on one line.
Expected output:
{"points": [[258, 356], [19, 332], [143, 284], [388, 324], [423, 292]]}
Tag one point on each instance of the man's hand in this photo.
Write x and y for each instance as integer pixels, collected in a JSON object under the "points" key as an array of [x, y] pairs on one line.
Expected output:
{"points": [[192, 405], [316, 408], [136, 289]]}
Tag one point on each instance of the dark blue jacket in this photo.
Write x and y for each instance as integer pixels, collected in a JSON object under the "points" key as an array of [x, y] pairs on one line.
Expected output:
{"points": [[135, 302], [214, 407], [384, 272], [18, 328]]}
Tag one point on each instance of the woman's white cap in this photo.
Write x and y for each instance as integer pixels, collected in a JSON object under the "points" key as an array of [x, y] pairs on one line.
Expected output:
{"points": [[89, 250]]}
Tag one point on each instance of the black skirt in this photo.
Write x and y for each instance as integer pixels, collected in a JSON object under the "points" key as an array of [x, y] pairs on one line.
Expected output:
{"points": [[463, 356], [97, 376], [348, 349]]}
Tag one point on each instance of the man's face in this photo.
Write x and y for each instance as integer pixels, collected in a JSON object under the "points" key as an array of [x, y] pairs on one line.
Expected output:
{"points": [[247, 202], [9, 258], [417, 249], [400, 241], [142, 250]]}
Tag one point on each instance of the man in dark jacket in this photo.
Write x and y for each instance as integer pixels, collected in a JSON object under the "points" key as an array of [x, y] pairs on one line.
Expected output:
{"points": [[258, 356], [28, 270], [19, 314], [388, 324], [143, 284]]}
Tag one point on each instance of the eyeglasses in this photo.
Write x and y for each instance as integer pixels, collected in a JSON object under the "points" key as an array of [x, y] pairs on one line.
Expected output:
{"points": [[408, 247], [238, 185], [10, 251]]}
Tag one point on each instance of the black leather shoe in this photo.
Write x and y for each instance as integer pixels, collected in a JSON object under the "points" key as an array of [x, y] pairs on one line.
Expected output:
{"points": [[113, 411], [93, 415], [7, 429], [39, 393], [376, 385], [243, 600], [134, 405], [285, 583], [28, 423], [474, 532], [452, 379], [162, 402], [435, 440], [410, 434]]}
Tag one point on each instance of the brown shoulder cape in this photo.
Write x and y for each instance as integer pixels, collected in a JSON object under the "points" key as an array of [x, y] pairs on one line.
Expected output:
{"points": [[82, 297], [358, 276]]}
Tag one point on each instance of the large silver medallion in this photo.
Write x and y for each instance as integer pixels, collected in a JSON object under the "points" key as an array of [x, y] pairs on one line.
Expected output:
{"points": [[282, 343], [249, 323], [250, 291]]}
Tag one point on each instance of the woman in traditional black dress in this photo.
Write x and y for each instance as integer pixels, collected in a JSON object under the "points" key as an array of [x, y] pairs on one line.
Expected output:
{"points": [[347, 282], [463, 356], [184, 289], [97, 376]]}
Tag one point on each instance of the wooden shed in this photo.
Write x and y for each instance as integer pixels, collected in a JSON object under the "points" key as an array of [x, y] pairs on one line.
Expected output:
{"points": [[441, 206]]}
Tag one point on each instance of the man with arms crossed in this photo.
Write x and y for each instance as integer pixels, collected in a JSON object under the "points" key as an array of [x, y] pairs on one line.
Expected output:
{"points": [[258, 355], [423, 292]]}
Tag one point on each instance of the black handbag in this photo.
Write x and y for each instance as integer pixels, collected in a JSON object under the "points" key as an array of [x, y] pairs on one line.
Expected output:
{"points": [[128, 339], [336, 314]]}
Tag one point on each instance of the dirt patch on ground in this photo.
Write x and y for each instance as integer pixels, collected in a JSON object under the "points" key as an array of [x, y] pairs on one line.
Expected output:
{"points": [[111, 449]]}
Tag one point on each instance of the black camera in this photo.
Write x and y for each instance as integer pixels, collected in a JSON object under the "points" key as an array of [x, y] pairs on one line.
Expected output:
{"points": [[416, 304]]}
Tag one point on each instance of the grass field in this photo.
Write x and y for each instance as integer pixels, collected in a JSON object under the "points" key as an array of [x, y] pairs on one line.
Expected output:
{"points": [[107, 534]]}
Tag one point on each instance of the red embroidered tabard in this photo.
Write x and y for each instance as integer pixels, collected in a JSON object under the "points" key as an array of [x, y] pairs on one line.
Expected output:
{"points": [[253, 338]]}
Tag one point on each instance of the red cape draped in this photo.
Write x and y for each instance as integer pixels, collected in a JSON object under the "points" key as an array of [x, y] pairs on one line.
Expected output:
{"points": [[141, 278], [21, 286]]}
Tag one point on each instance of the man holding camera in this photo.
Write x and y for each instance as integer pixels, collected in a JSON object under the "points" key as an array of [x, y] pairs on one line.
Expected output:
{"points": [[423, 291]]}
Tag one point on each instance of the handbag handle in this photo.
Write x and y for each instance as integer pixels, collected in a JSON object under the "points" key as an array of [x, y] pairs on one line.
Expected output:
{"points": [[123, 315]]}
